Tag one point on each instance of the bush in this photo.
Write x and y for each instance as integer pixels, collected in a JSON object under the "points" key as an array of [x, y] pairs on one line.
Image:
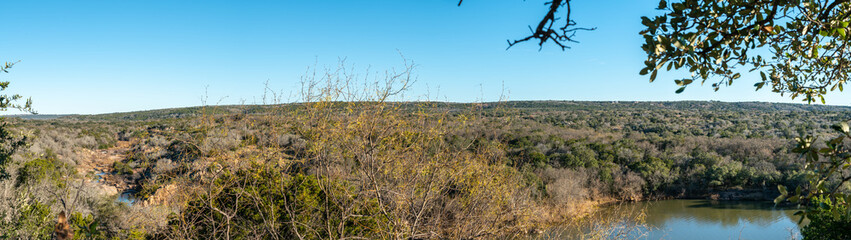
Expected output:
{"points": [[29, 222], [47, 168], [271, 205], [122, 168], [182, 151], [825, 223]]}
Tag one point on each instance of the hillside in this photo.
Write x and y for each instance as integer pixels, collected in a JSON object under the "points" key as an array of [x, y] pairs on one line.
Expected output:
{"points": [[554, 159], [689, 106]]}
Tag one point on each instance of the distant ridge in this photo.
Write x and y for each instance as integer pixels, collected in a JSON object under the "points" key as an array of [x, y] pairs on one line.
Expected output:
{"points": [[549, 105], [37, 116], [678, 105]]}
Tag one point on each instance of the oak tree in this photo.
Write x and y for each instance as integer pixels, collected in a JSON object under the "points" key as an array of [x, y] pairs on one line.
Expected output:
{"points": [[799, 48]]}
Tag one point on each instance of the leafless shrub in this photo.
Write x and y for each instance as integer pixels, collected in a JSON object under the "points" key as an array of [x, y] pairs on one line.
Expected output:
{"points": [[157, 141], [219, 140], [628, 185], [611, 222], [566, 186], [164, 165]]}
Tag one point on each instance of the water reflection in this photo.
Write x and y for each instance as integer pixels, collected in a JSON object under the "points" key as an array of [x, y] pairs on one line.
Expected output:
{"points": [[706, 219]]}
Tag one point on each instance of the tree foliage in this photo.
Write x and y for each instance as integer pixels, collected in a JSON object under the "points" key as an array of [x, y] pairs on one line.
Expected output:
{"points": [[11, 101], [799, 48], [828, 204], [9, 143]]}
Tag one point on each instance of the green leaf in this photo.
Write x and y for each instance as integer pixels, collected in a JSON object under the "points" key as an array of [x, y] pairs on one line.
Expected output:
{"points": [[653, 75], [759, 85], [842, 127], [793, 199], [680, 90], [779, 199], [646, 21], [841, 32]]}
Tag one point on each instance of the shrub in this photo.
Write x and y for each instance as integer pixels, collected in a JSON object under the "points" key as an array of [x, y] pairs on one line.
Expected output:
{"points": [[262, 202], [47, 168], [828, 221], [182, 151], [29, 222], [122, 168]]}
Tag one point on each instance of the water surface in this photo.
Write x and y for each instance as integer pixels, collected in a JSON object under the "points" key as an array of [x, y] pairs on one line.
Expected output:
{"points": [[128, 197], [707, 219]]}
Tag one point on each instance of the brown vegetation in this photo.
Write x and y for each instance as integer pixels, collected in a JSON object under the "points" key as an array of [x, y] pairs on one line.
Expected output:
{"points": [[348, 162]]}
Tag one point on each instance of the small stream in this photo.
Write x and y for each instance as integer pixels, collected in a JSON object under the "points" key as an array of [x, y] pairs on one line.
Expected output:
{"points": [[127, 196], [99, 176]]}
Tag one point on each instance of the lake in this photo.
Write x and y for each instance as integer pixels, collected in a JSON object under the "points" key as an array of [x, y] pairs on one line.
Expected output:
{"points": [[708, 219]]}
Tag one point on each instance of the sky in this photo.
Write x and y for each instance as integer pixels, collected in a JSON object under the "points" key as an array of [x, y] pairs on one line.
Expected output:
{"points": [[98, 56]]}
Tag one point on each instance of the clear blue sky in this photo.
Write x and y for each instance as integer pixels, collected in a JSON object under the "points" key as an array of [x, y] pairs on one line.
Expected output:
{"points": [[112, 56]]}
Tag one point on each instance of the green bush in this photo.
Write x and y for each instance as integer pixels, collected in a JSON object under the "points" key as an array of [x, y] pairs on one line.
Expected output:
{"points": [[47, 168], [122, 168], [271, 203], [85, 227], [30, 222], [105, 145], [830, 221]]}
